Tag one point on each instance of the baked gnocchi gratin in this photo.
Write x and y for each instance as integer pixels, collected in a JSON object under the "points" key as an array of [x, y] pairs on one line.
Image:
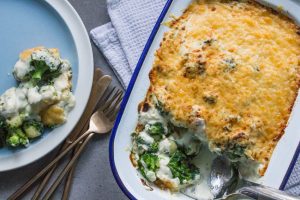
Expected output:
{"points": [[42, 99], [225, 77]]}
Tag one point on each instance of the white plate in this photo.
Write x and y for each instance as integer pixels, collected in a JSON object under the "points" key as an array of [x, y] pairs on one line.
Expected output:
{"points": [[284, 156], [34, 23]]}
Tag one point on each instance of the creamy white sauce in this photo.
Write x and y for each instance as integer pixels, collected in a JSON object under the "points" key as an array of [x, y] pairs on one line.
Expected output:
{"points": [[164, 146], [21, 69], [147, 138], [144, 146], [46, 56], [33, 95], [203, 161], [12, 102], [48, 92], [249, 170], [151, 116], [151, 175], [164, 173], [68, 101], [62, 82], [189, 141], [65, 66]]}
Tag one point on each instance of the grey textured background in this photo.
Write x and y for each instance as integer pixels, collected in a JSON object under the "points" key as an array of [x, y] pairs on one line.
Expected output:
{"points": [[93, 179]]}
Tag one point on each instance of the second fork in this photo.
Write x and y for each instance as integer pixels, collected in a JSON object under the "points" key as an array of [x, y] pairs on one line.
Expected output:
{"points": [[101, 122]]}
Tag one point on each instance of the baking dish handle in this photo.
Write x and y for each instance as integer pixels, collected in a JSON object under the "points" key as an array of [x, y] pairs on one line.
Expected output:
{"points": [[265, 193]]}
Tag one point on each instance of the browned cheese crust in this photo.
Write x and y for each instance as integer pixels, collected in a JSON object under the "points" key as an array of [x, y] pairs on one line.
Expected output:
{"points": [[236, 65]]}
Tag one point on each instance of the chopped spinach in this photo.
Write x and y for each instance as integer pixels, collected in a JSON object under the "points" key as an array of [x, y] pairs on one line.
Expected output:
{"points": [[40, 67], [151, 161], [156, 129], [153, 147], [181, 168], [16, 137], [234, 151], [146, 162], [42, 73]]}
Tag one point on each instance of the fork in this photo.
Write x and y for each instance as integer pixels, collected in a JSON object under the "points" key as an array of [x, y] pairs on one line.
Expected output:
{"points": [[101, 83], [101, 122]]}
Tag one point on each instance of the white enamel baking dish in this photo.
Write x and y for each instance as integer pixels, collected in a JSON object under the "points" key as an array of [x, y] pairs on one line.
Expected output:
{"points": [[283, 158]]}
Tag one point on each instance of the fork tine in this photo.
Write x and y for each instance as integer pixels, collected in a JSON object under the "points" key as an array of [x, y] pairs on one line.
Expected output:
{"points": [[111, 104], [114, 108], [114, 115], [109, 101], [103, 101], [119, 99]]}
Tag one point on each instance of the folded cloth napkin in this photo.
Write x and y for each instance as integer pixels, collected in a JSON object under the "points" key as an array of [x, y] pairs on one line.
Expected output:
{"points": [[123, 39]]}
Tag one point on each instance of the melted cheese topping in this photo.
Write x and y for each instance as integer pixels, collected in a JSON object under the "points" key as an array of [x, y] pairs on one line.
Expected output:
{"points": [[235, 65]]}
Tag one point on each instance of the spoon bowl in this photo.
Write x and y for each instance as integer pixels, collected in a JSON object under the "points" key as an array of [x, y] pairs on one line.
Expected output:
{"points": [[221, 176], [226, 182]]}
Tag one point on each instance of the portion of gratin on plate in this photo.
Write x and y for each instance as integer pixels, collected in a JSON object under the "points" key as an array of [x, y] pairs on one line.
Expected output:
{"points": [[42, 99], [225, 78]]}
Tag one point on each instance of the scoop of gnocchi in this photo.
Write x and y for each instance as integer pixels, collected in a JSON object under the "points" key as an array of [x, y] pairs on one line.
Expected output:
{"points": [[43, 97], [53, 116]]}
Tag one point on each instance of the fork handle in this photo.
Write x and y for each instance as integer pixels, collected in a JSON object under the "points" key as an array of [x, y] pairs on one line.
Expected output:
{"points": [[69, 178], [265, 193], [68, 183], [67, 168], [21, 190]]}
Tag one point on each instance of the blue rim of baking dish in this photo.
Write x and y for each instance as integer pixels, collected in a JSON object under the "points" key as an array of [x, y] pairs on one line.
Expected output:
{"points": [[127, 95]]}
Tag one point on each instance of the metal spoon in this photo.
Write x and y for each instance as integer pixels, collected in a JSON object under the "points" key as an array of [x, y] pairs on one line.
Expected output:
{"points": [[225, 181]]}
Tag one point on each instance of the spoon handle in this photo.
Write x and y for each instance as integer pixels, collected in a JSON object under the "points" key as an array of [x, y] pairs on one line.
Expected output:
{"points": [[265, 193]]}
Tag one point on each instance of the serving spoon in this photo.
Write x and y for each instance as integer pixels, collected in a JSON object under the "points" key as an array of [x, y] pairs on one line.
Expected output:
{"points": [[225, 181]]}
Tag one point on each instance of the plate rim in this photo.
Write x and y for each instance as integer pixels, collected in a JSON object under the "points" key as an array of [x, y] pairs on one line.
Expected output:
{"points": [[83, 47], [126, 98]]}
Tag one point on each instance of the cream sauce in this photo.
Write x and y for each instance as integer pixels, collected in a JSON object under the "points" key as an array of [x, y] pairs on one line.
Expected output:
{"points": [[21, 69], [62, 82], [12, 102]]}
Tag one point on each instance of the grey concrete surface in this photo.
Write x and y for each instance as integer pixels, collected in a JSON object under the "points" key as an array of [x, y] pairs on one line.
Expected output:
{"points": [[93, 178]]}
